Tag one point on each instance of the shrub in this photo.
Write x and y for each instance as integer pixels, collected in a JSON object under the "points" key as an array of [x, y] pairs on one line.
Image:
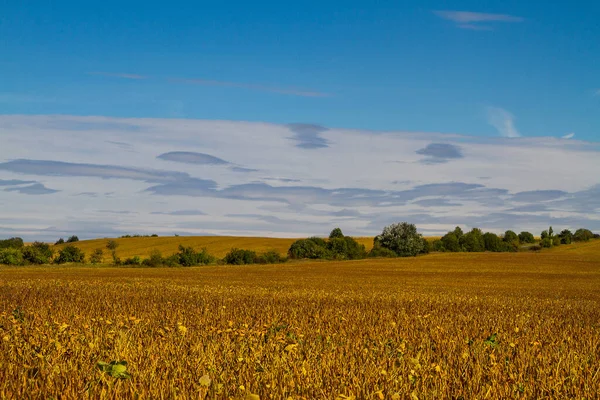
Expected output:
{"points": [[11, 256], [450, 242], [473, 241], [556, 240], [526, 237], [544, 235], [97, 256], [336, 233], [155, 260], [566, 236], [546, 242], [378, 251], [271, 257], [437, 245], [427, 246], [308, 248], [73, 239], [403, 239], [70, 254], [582, 235], [38, 253], [509, 247], [12, 243], [59, 241], [187, 257], [346, 248], [492, 242], [535, 247], [510, 236], [135, 260], [240, 257], [318, 241]]}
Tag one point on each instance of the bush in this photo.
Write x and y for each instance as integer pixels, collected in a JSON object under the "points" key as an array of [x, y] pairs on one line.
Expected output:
{"points": [[403, 239], [450, 242], [526, 237], [97, 256], [346, 248], [544, 235], [187, 257], [12, 243], [38, 253], [427, 246], [437, 245], [473, 241], [509, 247], [135, 260], [59, 241], [308, 248], [240, 257], [11, 256], [271, 257], [155, 260], [492, 242], [336, 233], [583, 235], [566, 236], [73, 239], [510, 237], [556, 240], [546, 242], [70, 254], [378, 251], [535, 247]]}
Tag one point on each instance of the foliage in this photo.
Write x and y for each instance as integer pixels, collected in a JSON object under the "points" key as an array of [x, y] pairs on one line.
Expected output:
{"points": [[473, 241], [556, 240], [450, 242], [12, 243], [346, 248], [59, 241], [378, 251], [526, 237], [115, 369], [566, 236], [492, 242], [270, 257], [135, 260], [510, 237], [241, 257], [11, 256], [546, 242], [308, 248], [437, 245], [112, 245], [70, 254], [97, 256], [583, 235], [544, 235], [155, 260], [73, 239], [38, 253], [188, 257], [402, 238], [336, 233]]}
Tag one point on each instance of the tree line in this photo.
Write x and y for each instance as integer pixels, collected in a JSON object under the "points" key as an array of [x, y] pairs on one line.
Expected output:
{"points": [[396, 240]]}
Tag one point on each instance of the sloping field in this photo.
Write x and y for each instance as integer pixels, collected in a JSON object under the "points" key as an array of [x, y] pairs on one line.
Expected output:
{"points": [[217, 246], [442, 326]]}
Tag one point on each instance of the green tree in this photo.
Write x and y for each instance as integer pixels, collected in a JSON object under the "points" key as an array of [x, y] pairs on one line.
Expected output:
{"points": [[402, 238], [526, 237], [240, 257], [336, 233], [112, 246], [566, 236], [97, 256], [583, 235], [38, 253], [544, 235], [59, 241], [11, 256], [308, 248], [73, 239], [473, 241], [450, 242], [70, 254], [12, 243], [510, 237], [492, 242]]}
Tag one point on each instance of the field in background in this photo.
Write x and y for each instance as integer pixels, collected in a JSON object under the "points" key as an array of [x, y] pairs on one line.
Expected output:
{"points": [[453, 325], [217, 246]]}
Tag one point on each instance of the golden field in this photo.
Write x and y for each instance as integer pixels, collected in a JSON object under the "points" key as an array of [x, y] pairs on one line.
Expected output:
{"points": [[442, 326], [217, 246]]}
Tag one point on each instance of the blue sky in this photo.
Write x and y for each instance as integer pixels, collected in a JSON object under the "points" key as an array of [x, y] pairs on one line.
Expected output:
{"points": [[356, 64], [287, 119]]}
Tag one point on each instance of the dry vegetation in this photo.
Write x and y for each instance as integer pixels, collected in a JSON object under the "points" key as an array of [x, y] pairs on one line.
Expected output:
{"points": [[461, 325], [217, 246]]}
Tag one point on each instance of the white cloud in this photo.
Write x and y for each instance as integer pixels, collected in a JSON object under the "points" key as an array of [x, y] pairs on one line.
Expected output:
{"points": [[569, 136], [472, 20], [503, 121], [77, 174]]}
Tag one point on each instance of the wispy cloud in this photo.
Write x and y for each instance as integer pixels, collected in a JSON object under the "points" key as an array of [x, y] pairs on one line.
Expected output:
{"points": [[503, 121], [472, 20], [569, 136], [119, 75], [597, 92], [251, 86]]}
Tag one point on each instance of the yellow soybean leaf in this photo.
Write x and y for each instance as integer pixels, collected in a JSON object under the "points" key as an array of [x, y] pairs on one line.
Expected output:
{"points": [[205, 380]]}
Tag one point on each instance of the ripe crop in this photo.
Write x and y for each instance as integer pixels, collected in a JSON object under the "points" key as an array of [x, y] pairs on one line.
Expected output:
{"points": [[477, 325]]}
